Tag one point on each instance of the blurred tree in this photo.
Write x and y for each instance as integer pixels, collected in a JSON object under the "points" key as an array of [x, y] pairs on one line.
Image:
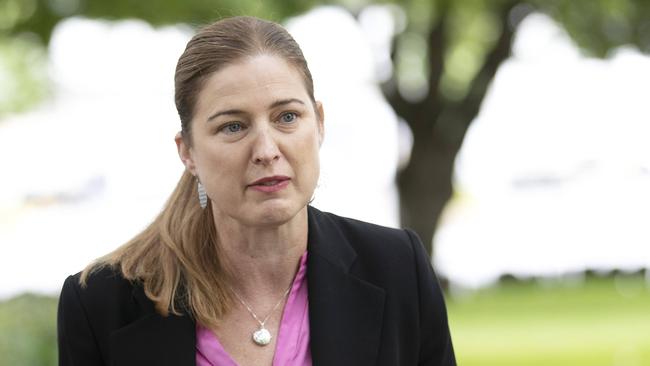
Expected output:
{"points": [[23, 79], [40, 16], [445, 58]]}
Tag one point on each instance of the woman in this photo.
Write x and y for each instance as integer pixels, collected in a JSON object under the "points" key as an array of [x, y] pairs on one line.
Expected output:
{"points": [[237, 269]]}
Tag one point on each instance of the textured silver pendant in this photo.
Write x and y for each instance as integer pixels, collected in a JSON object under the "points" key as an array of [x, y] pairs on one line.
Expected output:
{"points": [[262, 337]]}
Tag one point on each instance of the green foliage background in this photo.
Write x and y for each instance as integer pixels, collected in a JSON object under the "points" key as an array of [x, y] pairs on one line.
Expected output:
{"points": [[28, 331]]}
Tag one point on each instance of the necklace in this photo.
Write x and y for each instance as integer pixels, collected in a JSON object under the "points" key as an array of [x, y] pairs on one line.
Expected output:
{"points": [[261, 336]]}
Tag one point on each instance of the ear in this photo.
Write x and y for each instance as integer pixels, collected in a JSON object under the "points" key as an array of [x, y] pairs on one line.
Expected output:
{"points": [[185, 153], [320, 115]]}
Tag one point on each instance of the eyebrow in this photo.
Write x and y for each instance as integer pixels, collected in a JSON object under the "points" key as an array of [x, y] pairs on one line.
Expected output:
{"points": [[226, 112], [285, 101], [275, 104]]}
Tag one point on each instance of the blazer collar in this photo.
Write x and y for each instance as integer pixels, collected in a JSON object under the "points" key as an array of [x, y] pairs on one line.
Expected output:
{"points": [[345, 312]]}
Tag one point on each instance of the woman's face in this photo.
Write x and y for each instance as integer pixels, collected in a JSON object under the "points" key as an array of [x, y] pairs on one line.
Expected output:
{"points": [[255, 141]]}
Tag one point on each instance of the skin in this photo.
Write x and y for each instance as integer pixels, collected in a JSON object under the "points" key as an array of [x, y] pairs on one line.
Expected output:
{"points": [[254, 119]]}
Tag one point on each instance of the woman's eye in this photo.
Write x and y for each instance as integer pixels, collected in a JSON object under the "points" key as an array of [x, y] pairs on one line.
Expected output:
{"points": [[232, 127], [288, 117]]}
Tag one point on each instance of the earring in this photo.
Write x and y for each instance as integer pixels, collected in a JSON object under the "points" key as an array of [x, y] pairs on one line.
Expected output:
{"points": [[203, 197]]}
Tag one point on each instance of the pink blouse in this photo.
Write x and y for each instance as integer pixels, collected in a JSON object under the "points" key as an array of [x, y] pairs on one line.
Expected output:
{"points": [[292, 345]]}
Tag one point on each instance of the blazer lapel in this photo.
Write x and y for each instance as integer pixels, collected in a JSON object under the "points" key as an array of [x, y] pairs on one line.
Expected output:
{"points": [[345, 312], [154, 339]]}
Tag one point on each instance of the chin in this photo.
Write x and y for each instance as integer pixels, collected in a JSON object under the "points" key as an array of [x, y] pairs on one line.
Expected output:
{"points": [[277, 213]]}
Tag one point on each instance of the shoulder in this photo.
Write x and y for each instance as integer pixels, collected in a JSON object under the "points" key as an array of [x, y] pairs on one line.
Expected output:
{"points": [[100, 284], [370, 240], [106, 298], [364, 229], [98, 281], [381, 254]]}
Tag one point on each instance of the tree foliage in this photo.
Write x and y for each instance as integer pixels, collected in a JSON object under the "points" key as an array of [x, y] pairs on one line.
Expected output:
{"points": [[40, 16]]}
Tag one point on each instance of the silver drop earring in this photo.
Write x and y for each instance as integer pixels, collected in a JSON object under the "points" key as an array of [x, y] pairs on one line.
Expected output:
{"points": [[203, 197]]}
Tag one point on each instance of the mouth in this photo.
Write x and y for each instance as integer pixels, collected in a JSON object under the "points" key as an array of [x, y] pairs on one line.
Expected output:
{"points": [[270, 184], [270, 181]]}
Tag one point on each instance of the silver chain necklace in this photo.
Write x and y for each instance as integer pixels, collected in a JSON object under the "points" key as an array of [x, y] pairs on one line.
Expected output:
{"points": [[261, 336]]}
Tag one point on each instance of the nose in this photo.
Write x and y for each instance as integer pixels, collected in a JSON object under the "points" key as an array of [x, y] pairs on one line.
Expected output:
{"points": [[265, 148]]}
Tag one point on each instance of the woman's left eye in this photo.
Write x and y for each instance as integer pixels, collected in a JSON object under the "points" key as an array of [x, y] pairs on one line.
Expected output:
{"points": [[288, 117]]}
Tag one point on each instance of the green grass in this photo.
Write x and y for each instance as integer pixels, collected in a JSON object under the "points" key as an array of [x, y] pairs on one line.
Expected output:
{"points": [[598, 322], [28, 331]]}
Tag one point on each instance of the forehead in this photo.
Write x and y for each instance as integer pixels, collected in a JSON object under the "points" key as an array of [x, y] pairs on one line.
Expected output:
{"points": [[252, 79]]}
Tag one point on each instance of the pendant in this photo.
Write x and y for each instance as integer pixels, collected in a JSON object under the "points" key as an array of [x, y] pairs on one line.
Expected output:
{"points": [[262, 337]]}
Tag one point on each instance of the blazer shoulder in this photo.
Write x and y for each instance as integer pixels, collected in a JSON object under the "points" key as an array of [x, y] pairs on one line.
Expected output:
{"points": [[376, 238], [108, 299], [381, 253], [104, 282]]}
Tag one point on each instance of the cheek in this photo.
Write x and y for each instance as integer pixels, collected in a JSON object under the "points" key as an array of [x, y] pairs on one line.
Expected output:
{"points": [[209, 160], [310, 157]]}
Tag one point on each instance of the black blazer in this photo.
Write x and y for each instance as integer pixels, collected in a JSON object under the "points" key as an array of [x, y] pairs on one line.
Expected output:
{"points": [[373, 300]]}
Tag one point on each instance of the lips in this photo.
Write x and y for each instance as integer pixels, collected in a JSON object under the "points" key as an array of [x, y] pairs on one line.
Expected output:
{"points": [[270, 181], [270, 184]]}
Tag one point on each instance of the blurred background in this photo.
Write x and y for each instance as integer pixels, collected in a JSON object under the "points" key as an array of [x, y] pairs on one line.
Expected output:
{"points": [[512, 135]]}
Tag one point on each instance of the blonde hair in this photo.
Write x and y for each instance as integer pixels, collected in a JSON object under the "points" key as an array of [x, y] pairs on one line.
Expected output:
{"points": [[176, 257]]}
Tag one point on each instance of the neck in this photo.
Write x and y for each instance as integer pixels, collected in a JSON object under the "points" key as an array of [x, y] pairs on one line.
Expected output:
{"points": [[268, 255]]}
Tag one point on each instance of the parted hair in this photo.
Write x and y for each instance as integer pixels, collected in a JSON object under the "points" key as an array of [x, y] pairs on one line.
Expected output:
{"points": [[176, 258]]}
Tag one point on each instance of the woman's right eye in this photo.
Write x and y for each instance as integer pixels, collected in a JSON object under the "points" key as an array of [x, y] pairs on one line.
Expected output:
{"points": [[231, 128]]}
